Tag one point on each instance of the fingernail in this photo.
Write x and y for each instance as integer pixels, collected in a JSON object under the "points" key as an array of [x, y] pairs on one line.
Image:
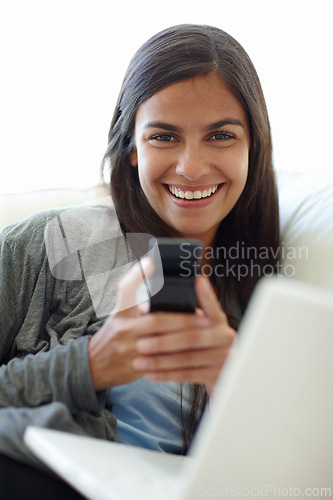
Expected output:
{"points": [[206, 281], [145, 260], [139, 363], [143, 345], [147, 263], [202, 321]]}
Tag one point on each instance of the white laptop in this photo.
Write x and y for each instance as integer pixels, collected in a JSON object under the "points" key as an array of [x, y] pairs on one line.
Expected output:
{"points": [[268, 431]]}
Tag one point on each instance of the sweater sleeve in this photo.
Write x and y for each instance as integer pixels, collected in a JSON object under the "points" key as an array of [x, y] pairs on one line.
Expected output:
{"points": [[8, 318], [25, 289], [61, 374], [33, 372]]}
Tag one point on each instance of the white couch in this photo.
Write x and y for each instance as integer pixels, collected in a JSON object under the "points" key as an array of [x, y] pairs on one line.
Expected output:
{"points": [[306, 219], [306, 208]]}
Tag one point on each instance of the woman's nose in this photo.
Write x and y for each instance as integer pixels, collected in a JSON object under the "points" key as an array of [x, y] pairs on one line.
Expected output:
{"points": [[192, 163]]}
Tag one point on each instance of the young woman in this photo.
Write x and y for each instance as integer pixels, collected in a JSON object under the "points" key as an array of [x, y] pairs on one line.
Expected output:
{"points": [[190, 155]]}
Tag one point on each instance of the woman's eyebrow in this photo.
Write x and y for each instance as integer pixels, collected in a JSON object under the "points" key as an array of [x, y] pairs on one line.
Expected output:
{"points": [[222, 123], [163, 126]]}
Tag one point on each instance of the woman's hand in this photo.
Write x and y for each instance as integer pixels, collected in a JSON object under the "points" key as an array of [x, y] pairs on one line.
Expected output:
{"points": [[113, 348], [194, 354], [162, 346]]}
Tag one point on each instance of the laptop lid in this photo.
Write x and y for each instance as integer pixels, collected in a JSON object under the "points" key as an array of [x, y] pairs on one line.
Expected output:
{"points": [[269, 431]]}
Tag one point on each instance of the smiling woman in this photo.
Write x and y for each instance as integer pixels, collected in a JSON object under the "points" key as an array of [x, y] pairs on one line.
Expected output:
{"points": [[190, 145]]}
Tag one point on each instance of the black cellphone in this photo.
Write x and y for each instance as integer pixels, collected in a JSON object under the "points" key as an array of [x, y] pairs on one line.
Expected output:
{"points": [[178, 260]]}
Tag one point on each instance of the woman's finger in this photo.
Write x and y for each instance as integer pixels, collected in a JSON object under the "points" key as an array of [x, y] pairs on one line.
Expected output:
{"points": [[180, 340], [208, 301], [129, 284], [181, 360], [206, 375]]}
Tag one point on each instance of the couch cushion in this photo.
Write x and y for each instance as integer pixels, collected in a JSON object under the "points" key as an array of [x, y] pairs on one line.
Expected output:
{"points": [[306, 217]]}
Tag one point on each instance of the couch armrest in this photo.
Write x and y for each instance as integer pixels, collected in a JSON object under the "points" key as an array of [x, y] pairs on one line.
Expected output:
{"points": [[306, 219]]}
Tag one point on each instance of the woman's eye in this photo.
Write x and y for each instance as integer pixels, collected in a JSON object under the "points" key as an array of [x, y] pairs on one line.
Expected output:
{"points": [[221, 136], [163, 138]]}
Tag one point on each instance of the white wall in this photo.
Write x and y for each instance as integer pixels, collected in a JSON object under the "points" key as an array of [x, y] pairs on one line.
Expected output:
{"points": [[62, 63]]}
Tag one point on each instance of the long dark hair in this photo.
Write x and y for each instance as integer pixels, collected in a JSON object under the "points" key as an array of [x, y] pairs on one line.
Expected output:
{"points": [[175, 54]]}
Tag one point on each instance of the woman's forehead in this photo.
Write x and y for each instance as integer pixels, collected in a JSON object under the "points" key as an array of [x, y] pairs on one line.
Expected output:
{"points": [[205, 96]]}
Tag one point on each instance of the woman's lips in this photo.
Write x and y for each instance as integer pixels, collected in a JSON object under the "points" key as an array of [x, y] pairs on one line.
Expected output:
{"points": [[193, 193], [192, 197]]}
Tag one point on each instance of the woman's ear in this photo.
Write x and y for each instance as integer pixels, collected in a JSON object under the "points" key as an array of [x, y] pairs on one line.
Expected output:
{"points": [[134, 157]]}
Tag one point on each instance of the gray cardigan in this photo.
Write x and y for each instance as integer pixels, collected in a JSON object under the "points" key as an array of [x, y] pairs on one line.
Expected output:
{"points": [[54, 294]]}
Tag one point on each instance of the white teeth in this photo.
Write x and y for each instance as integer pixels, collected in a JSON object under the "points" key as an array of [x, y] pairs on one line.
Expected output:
{"points": [[190, 195]]}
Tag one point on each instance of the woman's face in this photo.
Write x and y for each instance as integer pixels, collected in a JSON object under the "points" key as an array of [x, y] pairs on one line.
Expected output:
{"points": [[192, 148]]}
